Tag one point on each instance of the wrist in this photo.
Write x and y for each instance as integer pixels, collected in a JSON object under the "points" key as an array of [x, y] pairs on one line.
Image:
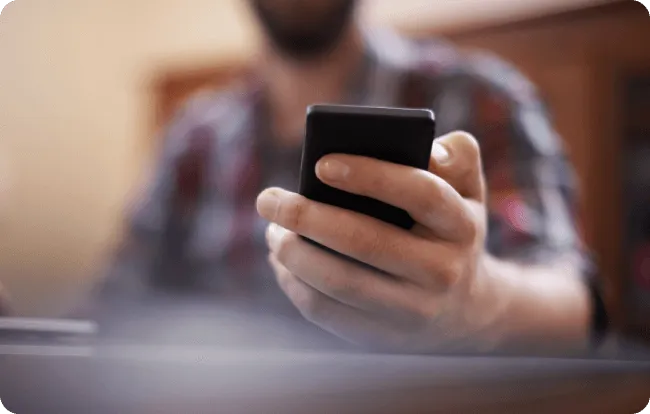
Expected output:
{"points": [[538, 309]]}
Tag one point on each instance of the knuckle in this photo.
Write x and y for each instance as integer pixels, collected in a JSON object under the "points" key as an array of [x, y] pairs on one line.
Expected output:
{"points": [[293, 214], [443, 272], [344, 232], [468, 161], [473, 224], [402, 252], [469, 145], [284, 281], [341, 285], [429, 196], [308, 303], [377, 180], [471, 229], [465, 172], [286, 247], [430, 269], [450, 274], [368, 242]]}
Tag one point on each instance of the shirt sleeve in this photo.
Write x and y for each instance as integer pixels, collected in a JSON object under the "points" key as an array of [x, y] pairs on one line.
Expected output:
{"points": [[531, 185], [532, 188]]}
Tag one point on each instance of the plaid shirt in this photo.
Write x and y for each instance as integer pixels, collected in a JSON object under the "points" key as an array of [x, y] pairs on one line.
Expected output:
{"points": [[197, 213]]}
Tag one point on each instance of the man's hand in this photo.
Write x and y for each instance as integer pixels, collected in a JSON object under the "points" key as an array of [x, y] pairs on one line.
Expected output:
{"points": [[427, 289]]}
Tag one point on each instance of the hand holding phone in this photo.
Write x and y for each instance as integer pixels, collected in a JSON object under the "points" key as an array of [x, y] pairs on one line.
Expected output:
{"points": [[401, 136]]}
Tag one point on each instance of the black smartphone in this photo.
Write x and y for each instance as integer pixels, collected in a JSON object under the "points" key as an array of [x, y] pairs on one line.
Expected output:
{"points": [[401, 136]]}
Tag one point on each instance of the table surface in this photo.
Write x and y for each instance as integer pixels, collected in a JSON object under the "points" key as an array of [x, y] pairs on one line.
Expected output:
{"points": [[228, 361], [165, 378]]}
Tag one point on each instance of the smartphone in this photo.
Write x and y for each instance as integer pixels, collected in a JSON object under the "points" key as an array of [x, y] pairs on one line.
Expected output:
{"points": [[396, 135]]}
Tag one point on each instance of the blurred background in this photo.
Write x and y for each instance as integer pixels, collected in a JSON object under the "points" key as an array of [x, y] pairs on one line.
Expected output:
{"points": [[85, 85]]}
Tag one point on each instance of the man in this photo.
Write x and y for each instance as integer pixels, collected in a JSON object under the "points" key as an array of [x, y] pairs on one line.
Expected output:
{"points": [[494, 261]]}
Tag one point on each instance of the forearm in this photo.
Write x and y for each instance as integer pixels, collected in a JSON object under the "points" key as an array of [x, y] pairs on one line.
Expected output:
{"points": [[542, 308]]}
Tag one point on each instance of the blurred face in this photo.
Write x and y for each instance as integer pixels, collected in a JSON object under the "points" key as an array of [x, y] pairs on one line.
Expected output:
{"points": [[304, 29]]}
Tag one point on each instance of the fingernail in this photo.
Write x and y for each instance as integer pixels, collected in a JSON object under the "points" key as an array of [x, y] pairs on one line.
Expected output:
{"points": [[439, 153], [274, 230], [271, 234], [274, 236], [333, 170], [268, 205]]}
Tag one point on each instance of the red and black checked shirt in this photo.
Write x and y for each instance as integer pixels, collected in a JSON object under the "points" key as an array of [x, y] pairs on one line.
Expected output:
{"points": [[218, 154]]}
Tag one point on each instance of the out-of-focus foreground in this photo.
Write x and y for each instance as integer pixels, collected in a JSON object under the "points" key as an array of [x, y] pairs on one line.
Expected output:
{"points": [[85, 86]]}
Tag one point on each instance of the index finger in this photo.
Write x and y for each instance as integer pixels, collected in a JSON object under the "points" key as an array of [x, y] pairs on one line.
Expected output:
{"points": [[429, 199]]}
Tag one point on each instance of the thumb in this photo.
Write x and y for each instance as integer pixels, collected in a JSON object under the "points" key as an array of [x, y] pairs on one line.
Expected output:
{"points": [[456, 158]]}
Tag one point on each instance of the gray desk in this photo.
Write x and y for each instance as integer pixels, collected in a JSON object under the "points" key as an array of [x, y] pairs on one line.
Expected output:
{"points": [[158, 363]]}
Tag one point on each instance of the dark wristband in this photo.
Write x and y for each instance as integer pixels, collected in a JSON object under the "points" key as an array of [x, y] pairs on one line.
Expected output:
{"points": [[599, 319], [4, 305]]}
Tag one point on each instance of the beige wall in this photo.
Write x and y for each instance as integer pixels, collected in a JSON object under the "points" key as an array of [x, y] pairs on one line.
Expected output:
{"points": [[75, 112]]}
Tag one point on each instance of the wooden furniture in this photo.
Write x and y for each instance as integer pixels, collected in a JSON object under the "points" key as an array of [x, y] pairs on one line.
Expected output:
{"points": [[172, 87], [578, 60]]}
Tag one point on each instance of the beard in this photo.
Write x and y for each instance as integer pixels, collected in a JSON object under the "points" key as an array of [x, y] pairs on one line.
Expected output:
{"points": [[304, 34]]}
